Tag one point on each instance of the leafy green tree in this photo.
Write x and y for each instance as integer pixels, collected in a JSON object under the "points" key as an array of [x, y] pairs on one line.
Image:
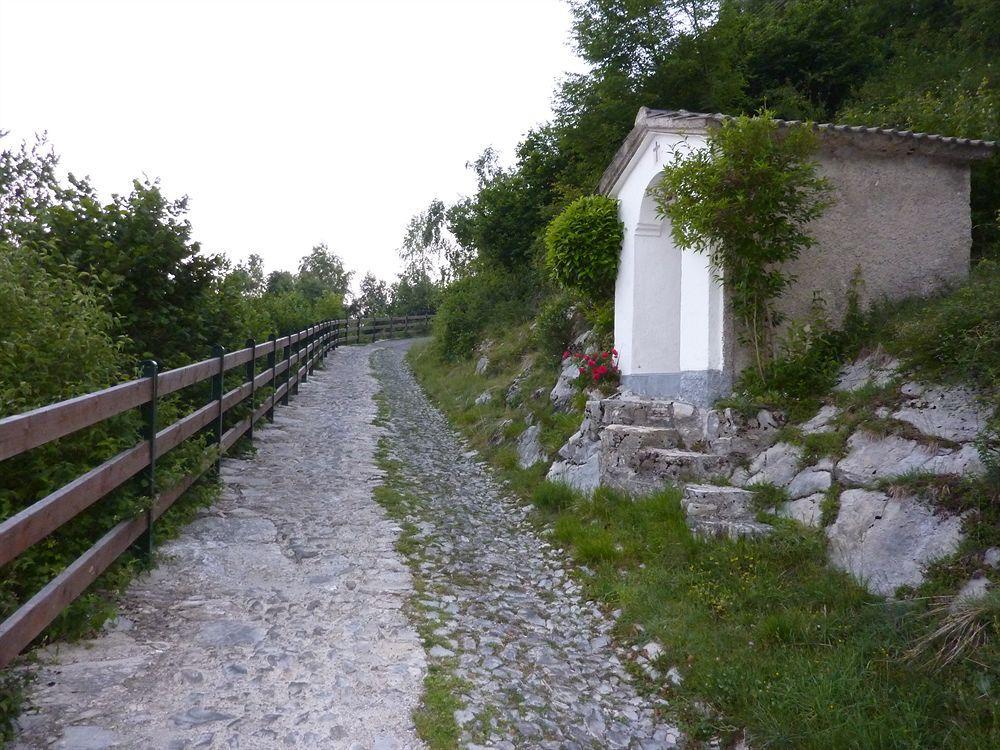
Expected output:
{"points": [[280, 282], [414, 293], [28, 185], [322, 271], [428, 247], [373, 299], [251, 275]]}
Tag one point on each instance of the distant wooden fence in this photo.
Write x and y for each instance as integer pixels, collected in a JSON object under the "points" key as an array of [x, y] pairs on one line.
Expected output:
{"points": [[289, 361]]}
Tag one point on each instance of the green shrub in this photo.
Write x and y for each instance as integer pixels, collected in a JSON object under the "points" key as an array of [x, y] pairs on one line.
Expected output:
{"points": [[601, 317], [806, 367], [554, 324], [956, 337], [583, 245], [489, 297]]}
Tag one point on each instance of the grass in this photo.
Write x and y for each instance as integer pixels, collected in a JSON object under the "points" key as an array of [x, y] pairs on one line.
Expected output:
{"points": [[767, 637], [435, 717]]}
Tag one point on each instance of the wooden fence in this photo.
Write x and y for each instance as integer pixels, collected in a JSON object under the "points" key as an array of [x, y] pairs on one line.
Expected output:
{"points": [[289, 360]]}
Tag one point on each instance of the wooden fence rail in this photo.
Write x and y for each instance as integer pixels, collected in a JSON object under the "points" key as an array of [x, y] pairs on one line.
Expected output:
{"points": [[289, 361]]}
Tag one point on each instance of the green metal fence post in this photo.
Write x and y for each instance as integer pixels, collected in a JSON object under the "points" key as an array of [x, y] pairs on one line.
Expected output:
{"points": [[287, 356], [272, 363], [315, 341], [305, 370], [251, 373], [218, 390], [150, 369], [298, 364]]}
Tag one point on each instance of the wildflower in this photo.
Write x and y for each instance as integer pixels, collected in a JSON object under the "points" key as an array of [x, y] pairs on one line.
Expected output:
{"points": [[566, 354]]}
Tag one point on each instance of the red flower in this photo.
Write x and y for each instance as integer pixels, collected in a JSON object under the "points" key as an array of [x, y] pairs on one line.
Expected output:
{"points": [[566, 354], [583, 370], [615, 352]]}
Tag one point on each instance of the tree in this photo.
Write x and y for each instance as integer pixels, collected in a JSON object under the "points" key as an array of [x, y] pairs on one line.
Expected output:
{"points": [[250, 275], [322, 271], [428, 246], [374, 297], [414, 293], [28, 186], [280, 282]]}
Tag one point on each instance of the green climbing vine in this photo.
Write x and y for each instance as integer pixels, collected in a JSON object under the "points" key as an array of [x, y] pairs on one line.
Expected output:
{"points": [[745, 200]]}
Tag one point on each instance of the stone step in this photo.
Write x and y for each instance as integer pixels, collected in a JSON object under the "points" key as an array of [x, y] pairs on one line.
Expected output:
{"points": [[714, 511], [626, 438], [680, 465], [714, 500], [644, 412], [709, 528]]}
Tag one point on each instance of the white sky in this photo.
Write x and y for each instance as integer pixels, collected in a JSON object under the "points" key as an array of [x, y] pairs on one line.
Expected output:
{"points": [[286, 122]]}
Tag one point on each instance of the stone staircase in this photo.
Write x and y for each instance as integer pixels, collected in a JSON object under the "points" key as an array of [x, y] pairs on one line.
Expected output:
{"points": [[641, 445], [646, 444]]}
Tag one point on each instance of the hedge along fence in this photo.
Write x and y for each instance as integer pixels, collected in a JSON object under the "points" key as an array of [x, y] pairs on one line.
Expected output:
{"points": [[288, 361]]}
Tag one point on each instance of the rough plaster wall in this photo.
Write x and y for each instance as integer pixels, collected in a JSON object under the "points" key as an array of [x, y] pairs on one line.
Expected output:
{"points": [[902, 219]]}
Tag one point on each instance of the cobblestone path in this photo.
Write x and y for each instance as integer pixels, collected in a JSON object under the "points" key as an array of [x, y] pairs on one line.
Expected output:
{"points": [[539, 666], [275, 619]]}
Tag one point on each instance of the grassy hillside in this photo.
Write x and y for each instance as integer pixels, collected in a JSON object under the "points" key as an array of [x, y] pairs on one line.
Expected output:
{"points": [[765, 636]]}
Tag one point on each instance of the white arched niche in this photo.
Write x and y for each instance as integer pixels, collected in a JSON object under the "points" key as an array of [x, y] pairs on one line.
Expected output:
{"points": [[668, 305]]}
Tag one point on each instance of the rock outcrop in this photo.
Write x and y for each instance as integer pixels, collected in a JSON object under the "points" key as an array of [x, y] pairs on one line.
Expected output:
{"points": [[886, 542], [871, 458], [643, 444], [529, 447]]}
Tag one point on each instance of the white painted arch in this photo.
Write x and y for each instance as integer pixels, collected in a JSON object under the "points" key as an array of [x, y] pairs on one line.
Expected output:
{"points": [[668, 305]]}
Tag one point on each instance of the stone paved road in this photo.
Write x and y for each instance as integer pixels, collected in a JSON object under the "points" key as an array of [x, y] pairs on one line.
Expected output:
{"points": [[540, 667], [274, 620]]}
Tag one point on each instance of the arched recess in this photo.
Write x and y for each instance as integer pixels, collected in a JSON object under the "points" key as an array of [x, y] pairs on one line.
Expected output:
{"points": [[656, 334], [672, 327]]}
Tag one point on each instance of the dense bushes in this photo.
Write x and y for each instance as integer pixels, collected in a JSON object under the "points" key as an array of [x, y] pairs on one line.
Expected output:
{"points": [[490, 297], [554, 324], [57, 340], [583, 244]]}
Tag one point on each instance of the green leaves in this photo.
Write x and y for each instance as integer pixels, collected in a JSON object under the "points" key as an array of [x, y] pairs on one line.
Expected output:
{"points": [[745, 200], [583, 245]]}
